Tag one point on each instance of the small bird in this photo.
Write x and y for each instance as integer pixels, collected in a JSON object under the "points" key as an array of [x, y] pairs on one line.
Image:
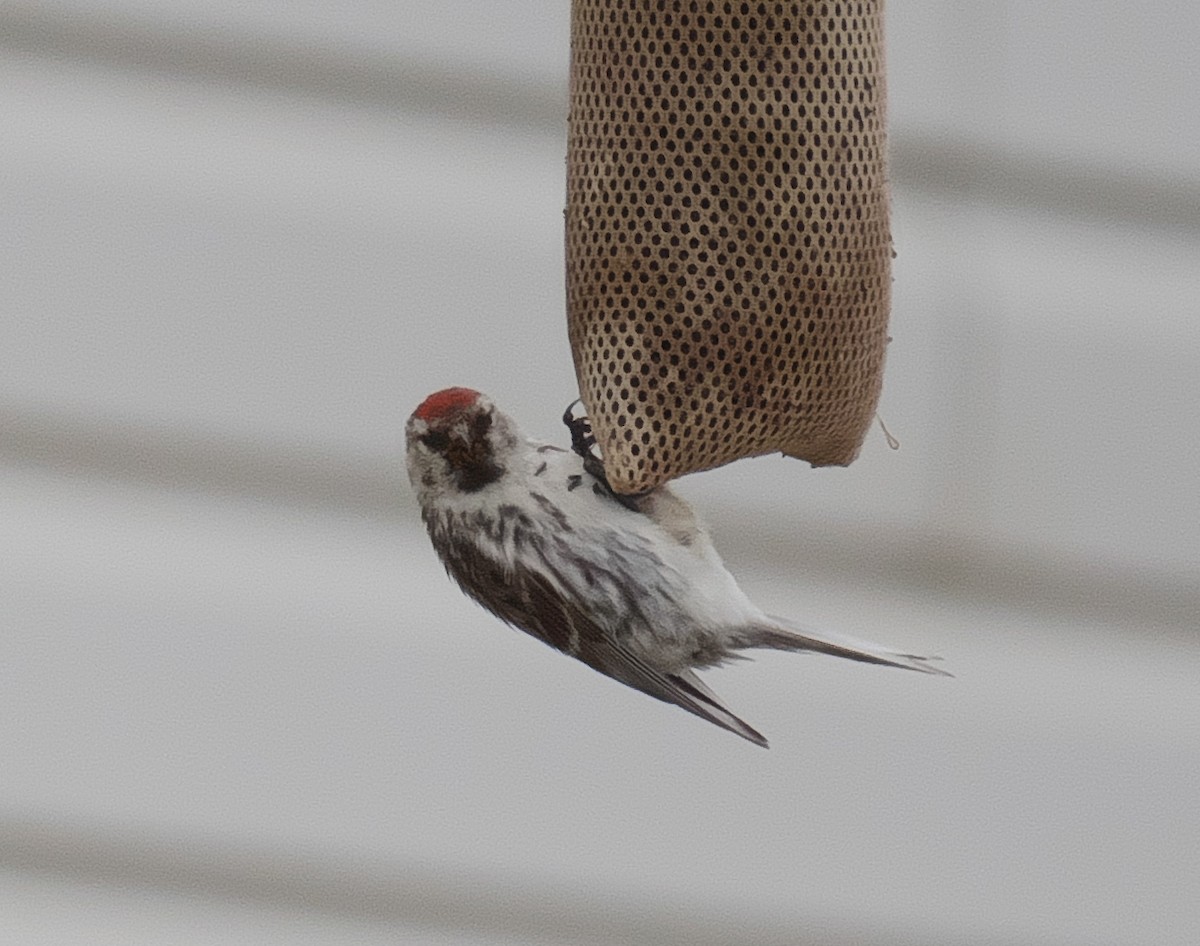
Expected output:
{"points": [[630, 585]]}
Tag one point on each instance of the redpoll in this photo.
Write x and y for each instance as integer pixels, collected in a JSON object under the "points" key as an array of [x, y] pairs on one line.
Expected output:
{"points": [[631, 586]]}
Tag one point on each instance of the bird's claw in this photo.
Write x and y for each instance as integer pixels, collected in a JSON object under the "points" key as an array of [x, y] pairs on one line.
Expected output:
{"points": [[583, 442]]}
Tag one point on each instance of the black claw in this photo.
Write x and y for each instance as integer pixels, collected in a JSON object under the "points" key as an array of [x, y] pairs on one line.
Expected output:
{"points": [[583, 442]]}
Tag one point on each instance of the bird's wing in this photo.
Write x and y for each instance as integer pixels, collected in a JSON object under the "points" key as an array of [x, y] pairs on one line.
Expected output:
{"points": [[684, 688], [545, 603]]}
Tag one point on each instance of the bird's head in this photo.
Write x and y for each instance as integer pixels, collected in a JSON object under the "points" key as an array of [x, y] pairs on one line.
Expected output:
{"points": [[457, 442]]}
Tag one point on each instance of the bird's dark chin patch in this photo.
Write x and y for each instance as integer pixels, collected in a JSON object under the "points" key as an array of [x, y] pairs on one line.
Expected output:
{"points": [[474, 476], [470, 460]]}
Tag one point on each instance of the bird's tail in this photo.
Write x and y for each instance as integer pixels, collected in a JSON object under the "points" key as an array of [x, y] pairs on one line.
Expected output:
{"points": [[779, 634]]}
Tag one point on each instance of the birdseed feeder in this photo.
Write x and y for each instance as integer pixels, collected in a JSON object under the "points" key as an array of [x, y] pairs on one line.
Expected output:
{"points": [[727, 231]]}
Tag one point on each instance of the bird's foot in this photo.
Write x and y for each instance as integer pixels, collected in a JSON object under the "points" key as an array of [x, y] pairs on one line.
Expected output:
{"points": [[583, 442]]}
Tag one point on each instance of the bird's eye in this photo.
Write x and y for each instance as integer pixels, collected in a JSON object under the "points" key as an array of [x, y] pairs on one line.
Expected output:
{"points": [[437, 440], [483, 423]]}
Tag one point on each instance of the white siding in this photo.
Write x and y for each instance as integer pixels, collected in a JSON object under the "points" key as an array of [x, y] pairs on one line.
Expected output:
{"points": [[240, 703]]}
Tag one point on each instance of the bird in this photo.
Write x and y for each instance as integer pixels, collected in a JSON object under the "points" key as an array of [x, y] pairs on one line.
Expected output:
{"points": [[632, 586]]}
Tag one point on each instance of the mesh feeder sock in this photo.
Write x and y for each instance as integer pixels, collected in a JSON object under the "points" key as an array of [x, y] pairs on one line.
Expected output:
{"points": [[728, 243]]}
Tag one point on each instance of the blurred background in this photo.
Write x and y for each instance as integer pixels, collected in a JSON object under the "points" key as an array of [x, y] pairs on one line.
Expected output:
{"points": [[240, 702]]}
